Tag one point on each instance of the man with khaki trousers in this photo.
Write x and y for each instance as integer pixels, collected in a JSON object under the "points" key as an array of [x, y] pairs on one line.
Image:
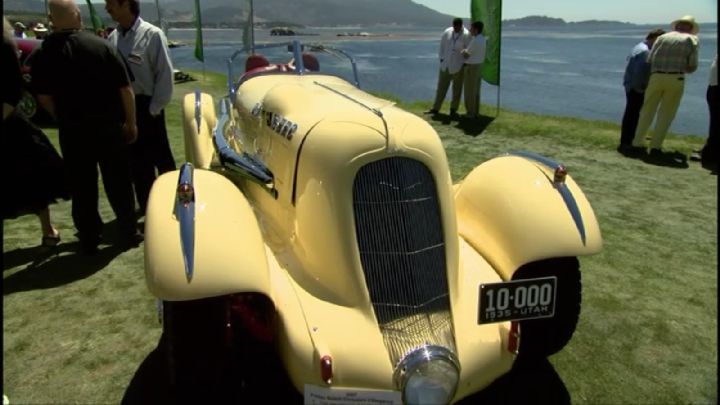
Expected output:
{"points": [[672, 56], [474, 58]]}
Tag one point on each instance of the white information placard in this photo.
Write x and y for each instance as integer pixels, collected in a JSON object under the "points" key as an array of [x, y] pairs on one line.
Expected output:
{"points": [[315, 395]]}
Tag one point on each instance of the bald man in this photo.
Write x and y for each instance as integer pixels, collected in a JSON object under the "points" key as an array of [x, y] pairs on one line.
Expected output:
{"points": [[82, 81]]}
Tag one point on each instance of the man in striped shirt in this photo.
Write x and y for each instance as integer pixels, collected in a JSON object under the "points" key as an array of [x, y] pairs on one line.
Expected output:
{"points": [[672, 56]]}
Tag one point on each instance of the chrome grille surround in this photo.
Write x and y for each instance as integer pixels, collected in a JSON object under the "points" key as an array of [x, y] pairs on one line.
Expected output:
{"points": [[402, 251]]}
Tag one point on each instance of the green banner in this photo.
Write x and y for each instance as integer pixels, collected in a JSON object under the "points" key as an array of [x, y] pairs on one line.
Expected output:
{"points": [[489, 12], [96, 21], [198, 34], [248, 31]]}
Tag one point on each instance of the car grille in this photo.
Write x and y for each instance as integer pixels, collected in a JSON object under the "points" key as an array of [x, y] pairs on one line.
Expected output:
{"points": [[402, 251]]}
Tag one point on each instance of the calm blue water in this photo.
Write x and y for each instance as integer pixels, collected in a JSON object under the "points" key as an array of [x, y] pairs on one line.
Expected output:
{"points": [[566, 72]]}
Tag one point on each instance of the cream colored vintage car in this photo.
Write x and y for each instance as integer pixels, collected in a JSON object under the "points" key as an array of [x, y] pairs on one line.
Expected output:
{"points": [[315, 248]]}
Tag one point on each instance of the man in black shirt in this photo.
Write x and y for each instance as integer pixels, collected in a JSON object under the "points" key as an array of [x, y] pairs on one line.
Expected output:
{"points": [[82, 81]]}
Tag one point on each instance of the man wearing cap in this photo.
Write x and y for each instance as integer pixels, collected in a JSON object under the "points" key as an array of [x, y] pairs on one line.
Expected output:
{"points": [[19, 31], [453, 41], [672, 56]]}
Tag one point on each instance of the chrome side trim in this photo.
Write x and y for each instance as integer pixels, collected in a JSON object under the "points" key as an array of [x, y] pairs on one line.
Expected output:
{"points": [[535, 157], [185, 214], [197, 109], [560, 186], [569, 200], [242, 163]]}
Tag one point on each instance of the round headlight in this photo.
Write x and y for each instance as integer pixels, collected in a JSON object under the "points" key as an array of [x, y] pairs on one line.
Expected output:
{"points": [[428, 375]]}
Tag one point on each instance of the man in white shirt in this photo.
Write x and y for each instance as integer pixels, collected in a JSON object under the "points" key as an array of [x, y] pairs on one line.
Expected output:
{"points": [[452, 42], [145, 50], [474, 57], [19, 31]]}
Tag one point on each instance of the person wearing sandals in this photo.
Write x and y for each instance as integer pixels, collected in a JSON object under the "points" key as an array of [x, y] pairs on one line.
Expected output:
{"points": [[71, 69], [35, 170]]}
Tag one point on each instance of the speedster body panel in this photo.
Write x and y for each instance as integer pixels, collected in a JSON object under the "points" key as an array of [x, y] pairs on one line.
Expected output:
{"points": [[338, 206]]}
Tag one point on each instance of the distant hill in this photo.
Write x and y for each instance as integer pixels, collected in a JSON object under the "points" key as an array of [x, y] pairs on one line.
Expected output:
{"points": [[296, 12], [543, 21]]}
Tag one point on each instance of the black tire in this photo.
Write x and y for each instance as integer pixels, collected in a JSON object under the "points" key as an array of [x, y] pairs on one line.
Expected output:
{"points": [[546, 336]]}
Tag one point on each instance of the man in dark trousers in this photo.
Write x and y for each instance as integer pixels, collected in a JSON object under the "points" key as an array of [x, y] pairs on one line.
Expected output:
{"points": [[635, 81], [708, 155], [145, 50], [82, 81]]}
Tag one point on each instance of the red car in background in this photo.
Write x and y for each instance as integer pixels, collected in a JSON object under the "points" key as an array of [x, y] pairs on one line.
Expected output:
{"points": [[28, 104], [25, 48]]}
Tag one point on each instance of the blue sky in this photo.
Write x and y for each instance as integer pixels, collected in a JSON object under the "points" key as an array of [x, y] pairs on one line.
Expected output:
{"points": [[634, 11]]}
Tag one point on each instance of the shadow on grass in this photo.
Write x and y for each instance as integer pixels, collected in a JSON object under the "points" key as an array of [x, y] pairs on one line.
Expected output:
{"points": [[668, 159], [33, 255], [532, 381], [53, 269], [443, 118], [50, 267], [476, 126], [470, 126], [150, 384]]}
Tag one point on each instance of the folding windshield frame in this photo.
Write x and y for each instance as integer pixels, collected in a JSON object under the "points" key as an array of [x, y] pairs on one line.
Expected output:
{"points": [[297, 48]]}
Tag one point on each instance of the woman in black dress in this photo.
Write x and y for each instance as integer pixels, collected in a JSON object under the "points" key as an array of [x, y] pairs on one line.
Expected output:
{"points": [[34, 177]]}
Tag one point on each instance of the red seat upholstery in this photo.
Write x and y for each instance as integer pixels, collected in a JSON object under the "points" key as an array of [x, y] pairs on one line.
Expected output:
{"points": [[255, 61], [310, 62]]}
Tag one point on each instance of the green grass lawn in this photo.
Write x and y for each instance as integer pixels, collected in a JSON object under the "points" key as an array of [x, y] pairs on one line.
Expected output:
{"points": [[75, 329]]}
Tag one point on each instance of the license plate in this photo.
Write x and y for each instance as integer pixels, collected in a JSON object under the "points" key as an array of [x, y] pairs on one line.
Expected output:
{"points": [[517, 300]]}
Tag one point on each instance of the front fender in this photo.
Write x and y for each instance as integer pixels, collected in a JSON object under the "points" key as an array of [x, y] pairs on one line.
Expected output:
{"points": [[228, 250], [512, 212], [199, 119]]}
